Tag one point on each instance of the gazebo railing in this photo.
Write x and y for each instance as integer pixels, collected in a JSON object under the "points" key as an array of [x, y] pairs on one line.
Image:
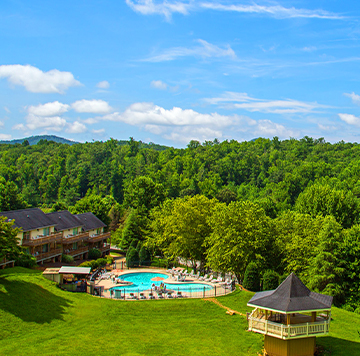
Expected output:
{"points": [[258, 323]]}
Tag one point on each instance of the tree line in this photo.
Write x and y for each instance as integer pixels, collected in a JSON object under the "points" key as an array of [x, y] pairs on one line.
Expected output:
{"points": [[290, 205]]}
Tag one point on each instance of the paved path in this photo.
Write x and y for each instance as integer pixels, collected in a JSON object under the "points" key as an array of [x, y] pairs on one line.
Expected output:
{"points": [[228, 310]]}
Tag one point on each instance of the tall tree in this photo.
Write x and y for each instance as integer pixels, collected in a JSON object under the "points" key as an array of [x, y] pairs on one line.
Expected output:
{"points": [[241, 233]]}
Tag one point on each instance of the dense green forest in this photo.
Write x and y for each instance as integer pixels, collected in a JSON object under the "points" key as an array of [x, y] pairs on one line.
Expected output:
{"points": [[259, 209]]}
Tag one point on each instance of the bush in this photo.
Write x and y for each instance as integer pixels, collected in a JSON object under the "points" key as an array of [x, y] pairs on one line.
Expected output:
{"points": [[132, 257], [25, 260], [252, 277], [110, 260], [94, 254], [270, 280], [138, 246], [144, 256], [67, 258], [101, 262], [134, 243], [87, 264]]}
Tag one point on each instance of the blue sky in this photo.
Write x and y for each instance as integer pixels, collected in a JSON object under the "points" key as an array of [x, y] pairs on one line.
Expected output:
{"points": [[172, 71]]}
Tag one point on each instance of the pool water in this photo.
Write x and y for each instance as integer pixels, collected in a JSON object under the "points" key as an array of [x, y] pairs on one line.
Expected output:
{"points": [[143, 281]]}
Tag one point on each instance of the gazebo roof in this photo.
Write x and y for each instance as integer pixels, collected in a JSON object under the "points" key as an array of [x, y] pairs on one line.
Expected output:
{"points": [[291, 296]]}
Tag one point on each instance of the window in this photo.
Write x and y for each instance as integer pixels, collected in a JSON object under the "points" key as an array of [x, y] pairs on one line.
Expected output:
{"points": [[46, 231], [26, 235], [98, 231], [75, 246], [45, 248], [75, 231]]}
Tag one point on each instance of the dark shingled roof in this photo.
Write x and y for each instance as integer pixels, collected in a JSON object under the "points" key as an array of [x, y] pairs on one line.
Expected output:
{"points": [[64, 220], [28, 219], [291, 296], [90, 221]]}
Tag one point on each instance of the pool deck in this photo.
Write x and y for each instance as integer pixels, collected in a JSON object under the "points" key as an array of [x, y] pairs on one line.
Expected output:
{"points": [[109, 283]]}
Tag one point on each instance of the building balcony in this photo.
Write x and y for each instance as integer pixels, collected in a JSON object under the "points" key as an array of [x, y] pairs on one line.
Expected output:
{"points": [[98, 237], [42, 240], [78, 251], [302, 327], [104, 248], [47, 255], [69, 239]]}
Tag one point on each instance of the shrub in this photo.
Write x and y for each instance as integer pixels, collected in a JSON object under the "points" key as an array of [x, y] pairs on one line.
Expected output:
{"points": [[138, 246], [134, 243], [132, 257], [144, 256], [25, 260], [67, 258], [94, 254], [110, 260], [252, 277], [270, 280], [101, 262], [87, 264]]}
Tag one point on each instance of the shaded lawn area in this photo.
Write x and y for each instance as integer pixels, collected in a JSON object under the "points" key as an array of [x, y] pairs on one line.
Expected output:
{"points": [[38, 318]]}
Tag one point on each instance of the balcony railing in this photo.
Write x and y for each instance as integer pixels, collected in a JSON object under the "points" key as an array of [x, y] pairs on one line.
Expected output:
{"points": [[4, 262], [98, 237], [285, 332], [48, 255], [78, 251], [42, 240], [69, 239], [104, 248]]}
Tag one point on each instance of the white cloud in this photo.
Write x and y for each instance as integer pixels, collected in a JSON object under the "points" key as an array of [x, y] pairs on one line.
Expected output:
{"points": [[55, 123], [49, 109], [7, 109], [92, 106], [269, 128], [1, 124], [158, 84], [36, 81], [354, 97], [5, 137], [75, 127], [233, 100], [350, 119], [103, 85], [19, 127], [100, 131], [148, 113], [186, 134], [165, 8], [91, 121], [276, 11], [204, 50]]}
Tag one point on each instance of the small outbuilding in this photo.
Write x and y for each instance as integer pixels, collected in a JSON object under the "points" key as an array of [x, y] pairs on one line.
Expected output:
{"points": [[290, 317]]}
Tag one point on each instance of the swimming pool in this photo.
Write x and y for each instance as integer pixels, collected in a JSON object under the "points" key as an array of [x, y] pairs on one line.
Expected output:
{"points": [[144, 280]]}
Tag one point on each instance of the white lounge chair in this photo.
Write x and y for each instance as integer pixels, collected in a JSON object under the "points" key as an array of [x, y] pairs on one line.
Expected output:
{"points": [[151, 295], [133, 296], [169, 295], [203, 278], [179, 295], [209, 279], [142, 296]]}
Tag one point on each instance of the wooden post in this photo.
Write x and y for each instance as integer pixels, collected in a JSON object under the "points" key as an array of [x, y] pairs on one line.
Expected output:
{"points": [[287, 319], [313, 317]]}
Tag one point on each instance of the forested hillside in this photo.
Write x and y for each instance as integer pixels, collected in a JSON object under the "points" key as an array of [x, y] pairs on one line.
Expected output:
{"points": [[268, 206]]}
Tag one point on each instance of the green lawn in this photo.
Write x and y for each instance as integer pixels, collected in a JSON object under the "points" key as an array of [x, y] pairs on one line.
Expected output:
{"points": [[37, 318]]}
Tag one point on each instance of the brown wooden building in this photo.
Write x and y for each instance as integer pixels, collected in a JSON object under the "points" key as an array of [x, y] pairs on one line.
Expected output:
{"points": [[48, 236], [290, 317]]}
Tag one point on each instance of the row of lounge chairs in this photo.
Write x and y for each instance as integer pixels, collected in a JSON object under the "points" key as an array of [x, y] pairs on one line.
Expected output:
{"points": [[160, 295], [180, 276]]}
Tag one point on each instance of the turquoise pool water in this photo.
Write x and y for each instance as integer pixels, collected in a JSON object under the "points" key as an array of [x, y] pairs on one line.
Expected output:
{"points": [[143, 281]]}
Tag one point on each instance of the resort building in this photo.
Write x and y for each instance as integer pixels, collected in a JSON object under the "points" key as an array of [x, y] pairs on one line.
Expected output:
{"points": [[290, 317], [48, 236]]}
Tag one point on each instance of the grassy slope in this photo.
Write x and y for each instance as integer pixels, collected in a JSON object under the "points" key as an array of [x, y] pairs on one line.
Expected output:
{"points": [[38, 318]]}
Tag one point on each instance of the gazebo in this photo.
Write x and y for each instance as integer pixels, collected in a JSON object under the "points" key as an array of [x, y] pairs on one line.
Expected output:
{"points": [[290, 317]]}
